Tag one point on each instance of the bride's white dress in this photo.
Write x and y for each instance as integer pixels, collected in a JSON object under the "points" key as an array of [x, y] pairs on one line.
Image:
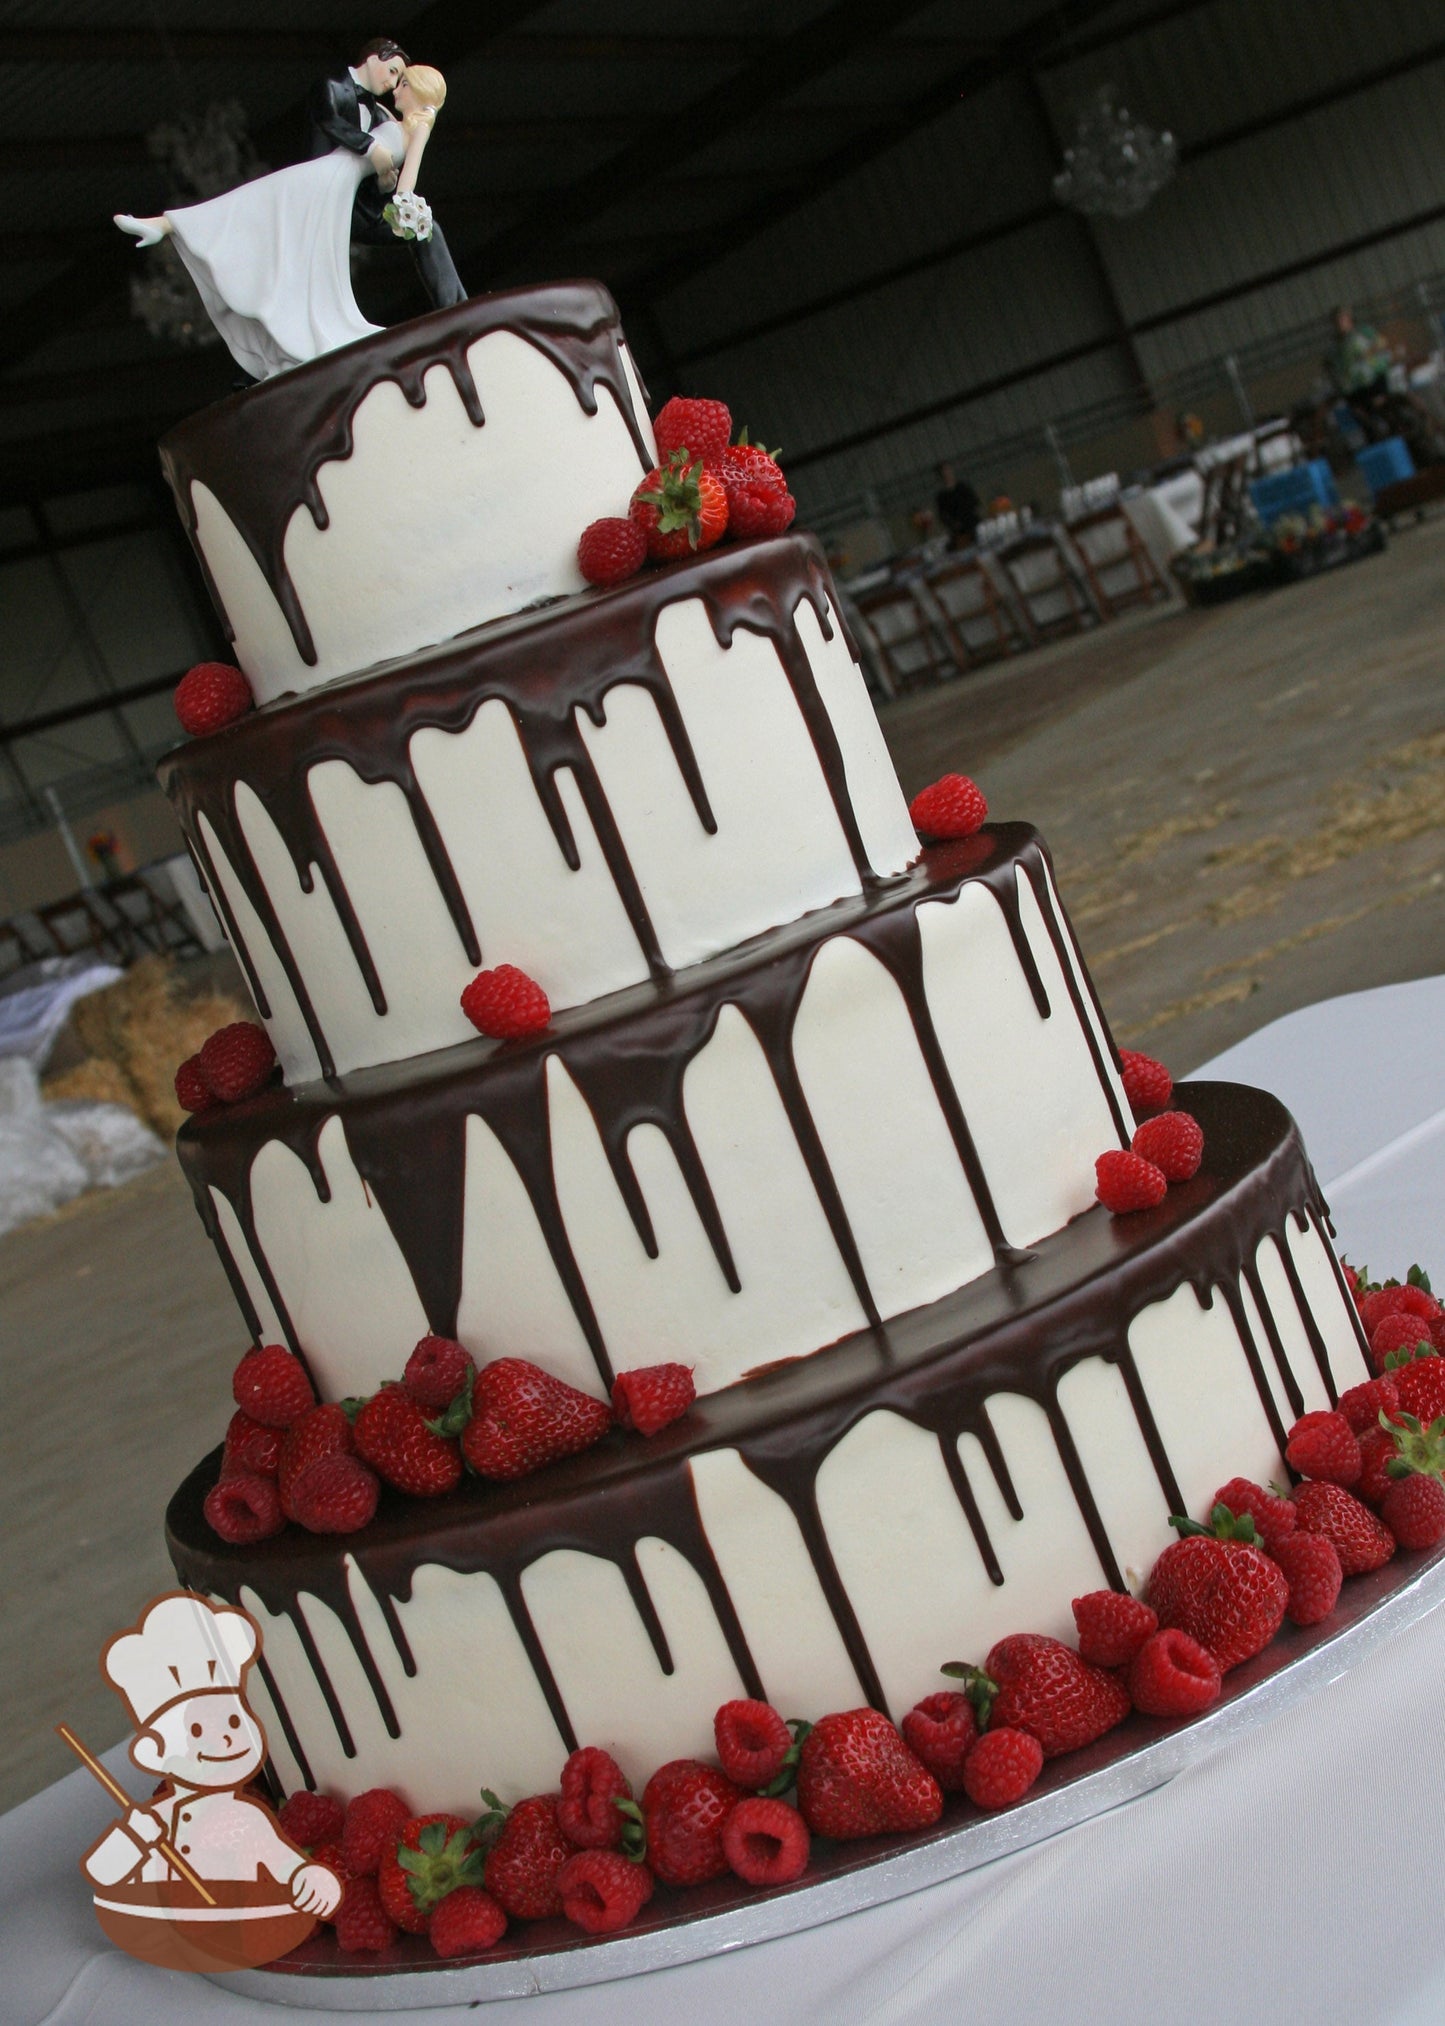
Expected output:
{"points": [[272, 258]]}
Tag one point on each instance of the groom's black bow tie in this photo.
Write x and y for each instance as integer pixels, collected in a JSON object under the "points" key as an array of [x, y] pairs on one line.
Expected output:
{"points": [[368, 98]]}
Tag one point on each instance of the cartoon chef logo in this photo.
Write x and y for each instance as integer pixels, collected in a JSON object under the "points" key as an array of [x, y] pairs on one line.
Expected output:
{"points": [[201, 1877]]}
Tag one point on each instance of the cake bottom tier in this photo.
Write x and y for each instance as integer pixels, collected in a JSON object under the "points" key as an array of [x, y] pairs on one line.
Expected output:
{"points": [[830, 1531]]}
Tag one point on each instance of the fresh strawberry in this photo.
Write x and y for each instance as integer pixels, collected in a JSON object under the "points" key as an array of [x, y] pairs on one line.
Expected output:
{"points": [[1363, 1405], [681, 508], [940, 1731], [1036, 1684], [1001, 1768], [336, 1495], [684, 1807], [466, 1923], [193, 1093], [252, 1445], [1173, 1142], [237, 1061], [211, 696], [611, 550], [310, 1819], [952, 806], [1173, 1675], [1324, 1445], [587, 1809], [504, 1003], [1420, 1386], [1312, 1570], [753, 1743], [522, 1417], [602, 1891], [1219, 1587], [392, 1435], [437, 1370], [856, 1777], [759, 502], [272, 1386], [1126, 1181], [522, 1864], [1414, 1511], [694, 424], [374, 1822], [1393, 1334], [651, 1397], [1274, 1517], [321, 1431], [766, 1842], [432, 1856], [1147, 1083], [1112, 1627], [243, 1508], [1361, 1541], [363, 1925]]}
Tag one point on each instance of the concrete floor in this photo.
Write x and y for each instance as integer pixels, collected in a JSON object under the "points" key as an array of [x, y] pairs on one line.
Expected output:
{"points": [[1247, 811]]}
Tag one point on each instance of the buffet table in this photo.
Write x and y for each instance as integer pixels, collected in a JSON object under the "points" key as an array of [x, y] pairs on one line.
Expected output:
{"points": [[1294, 1869]]}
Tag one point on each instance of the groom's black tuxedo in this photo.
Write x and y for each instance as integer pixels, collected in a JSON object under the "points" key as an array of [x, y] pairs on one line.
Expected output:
{"points": [[334, 120]]}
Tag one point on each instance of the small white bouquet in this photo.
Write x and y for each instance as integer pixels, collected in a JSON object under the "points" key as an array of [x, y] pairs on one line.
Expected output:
{"points": [[409, 216]]}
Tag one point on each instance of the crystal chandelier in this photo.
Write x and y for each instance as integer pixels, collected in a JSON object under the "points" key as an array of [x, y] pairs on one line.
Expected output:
{"points": [[1116, 163], [203, 155]]}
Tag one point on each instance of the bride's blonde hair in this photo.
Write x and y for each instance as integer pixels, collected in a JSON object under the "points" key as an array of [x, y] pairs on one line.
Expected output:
{"points": [[431, 88]]}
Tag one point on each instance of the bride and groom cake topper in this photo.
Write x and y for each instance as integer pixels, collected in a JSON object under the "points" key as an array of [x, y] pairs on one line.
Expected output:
{"points": [[271, 259]]}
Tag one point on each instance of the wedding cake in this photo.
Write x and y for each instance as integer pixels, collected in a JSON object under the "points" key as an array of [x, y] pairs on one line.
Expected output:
{"points": [[817, 1112]]}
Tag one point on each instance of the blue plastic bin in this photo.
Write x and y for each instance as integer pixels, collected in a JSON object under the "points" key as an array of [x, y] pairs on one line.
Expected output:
{"points": [[1385, 463], [1294, 491]]}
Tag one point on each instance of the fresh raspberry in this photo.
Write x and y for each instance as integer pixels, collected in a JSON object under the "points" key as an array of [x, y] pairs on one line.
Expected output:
{"points": [[243, 1508], [433, 1855], [522, 1865], [1312, 1570], [759, 502], [193, 1093], [237, 1061], [1112, 1627], [1274, 1518], [1361, 1541], [1126, 1181], [504, 1003], [694, 424], [611, 550], [766, 1842], [522, 1417], [338, 1495], [1395, 1333], [601, 1890], [856, 1777], [309, 1819], [1324, 1445], [684, 1807], [1420, 1386], [952, 806], [272, 1386], [1147, 1083], [753, 1743], [391, 1435], [940, 1731], [651, 1397], [1377, 1452], [681, 508], [1220, 1588], [1414, 1511], [1173, 1142], [1363, 1405], [466, 1923], [1042, 1686], [363, 1925], [1001, 1768], [1173, 1675], [211, 696], [592, 1785], [1402, 1299], [320, 1431], [437, 1370], [251, 1445], [374, 1822]]}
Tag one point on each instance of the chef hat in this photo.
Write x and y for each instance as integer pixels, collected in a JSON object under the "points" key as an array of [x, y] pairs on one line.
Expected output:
{"points": [[182, 1647]]}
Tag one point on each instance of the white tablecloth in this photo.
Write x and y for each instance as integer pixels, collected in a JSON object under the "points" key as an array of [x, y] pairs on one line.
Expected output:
{"points": [[1297, 1872]]}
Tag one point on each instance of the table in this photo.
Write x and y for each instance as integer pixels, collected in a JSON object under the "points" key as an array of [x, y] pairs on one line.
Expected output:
{"points": [[1296, 1869]]}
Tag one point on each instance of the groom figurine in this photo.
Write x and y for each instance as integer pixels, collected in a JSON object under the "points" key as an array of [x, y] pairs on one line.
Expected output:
{"points": [[341, 111]]}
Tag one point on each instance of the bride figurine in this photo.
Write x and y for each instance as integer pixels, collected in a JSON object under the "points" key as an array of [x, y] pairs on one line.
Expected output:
{"points": [[272, 258]]}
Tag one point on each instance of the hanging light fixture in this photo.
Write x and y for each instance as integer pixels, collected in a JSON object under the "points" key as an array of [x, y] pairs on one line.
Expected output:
{"points": [[203, 155], [1117, 164]]}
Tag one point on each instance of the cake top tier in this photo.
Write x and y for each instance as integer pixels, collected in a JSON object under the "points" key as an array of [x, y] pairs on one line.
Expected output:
{"points": [[391, 494]]}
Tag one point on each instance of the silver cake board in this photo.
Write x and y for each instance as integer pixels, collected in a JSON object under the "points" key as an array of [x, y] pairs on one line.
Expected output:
{"points": [[846, 1878]]}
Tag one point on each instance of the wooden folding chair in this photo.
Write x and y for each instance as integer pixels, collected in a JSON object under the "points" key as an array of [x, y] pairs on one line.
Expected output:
{"points": [[74, 924], [979, 626], [910, 648], [1047, 590], [1119, 569], [152, 923]]}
